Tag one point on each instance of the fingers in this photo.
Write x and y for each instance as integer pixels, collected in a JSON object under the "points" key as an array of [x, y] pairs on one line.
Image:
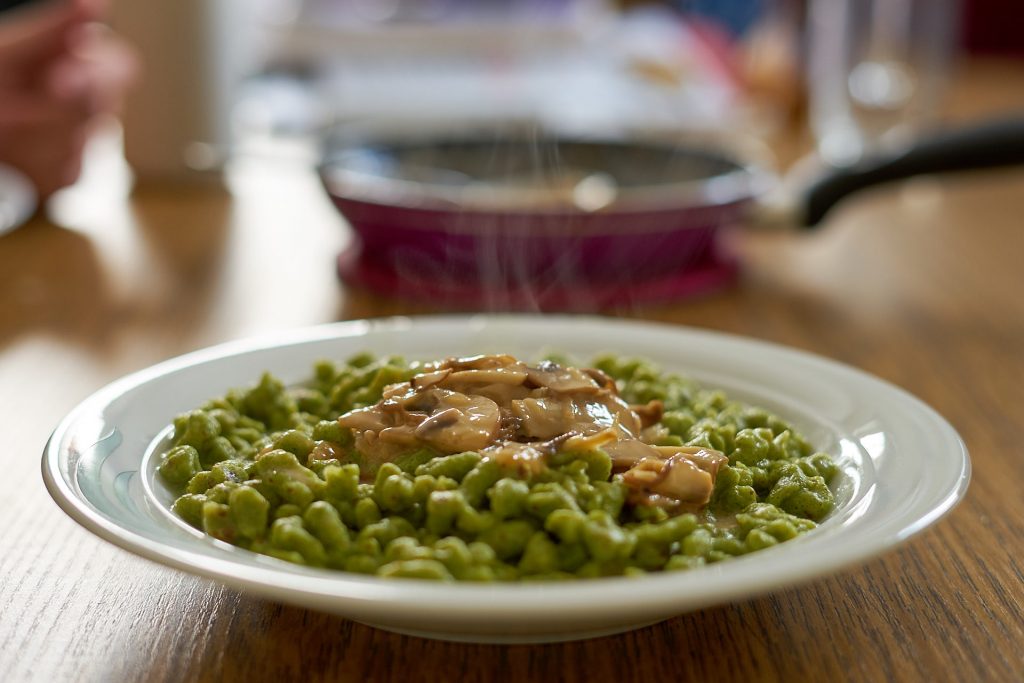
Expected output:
{"points": [[94, 75], [59, 72], [36, 32], [88, 81]]}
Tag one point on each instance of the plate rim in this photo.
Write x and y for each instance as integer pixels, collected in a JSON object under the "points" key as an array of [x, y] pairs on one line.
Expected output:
{"points": [[513, 600]]}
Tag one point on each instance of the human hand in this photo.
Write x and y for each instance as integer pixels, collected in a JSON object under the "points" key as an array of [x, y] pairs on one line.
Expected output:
{"points": [[60, 72]]}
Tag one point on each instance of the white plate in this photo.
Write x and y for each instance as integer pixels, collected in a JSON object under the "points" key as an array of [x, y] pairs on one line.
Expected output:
{"points": [[903, 467]]}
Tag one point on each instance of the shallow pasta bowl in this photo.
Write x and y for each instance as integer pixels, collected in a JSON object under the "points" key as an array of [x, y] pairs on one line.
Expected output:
{"points": [[903, 467]]}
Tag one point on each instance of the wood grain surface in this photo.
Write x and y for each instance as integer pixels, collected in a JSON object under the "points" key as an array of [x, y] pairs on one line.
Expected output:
{"points": [[921, 284]]}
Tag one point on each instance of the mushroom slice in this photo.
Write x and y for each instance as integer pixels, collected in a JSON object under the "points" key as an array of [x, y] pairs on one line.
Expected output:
{"points": [[602, 379], [626, 453], [429, 379], [392, 390], [424, 401], [606, 409], [460, 423], [525, 459], [676, 478], [707, 459], [401, 435], [650, 413], [502, 394], [541, 418], [562, 379], [484, 362], [588, 442], [362, 419], [503, 375]]}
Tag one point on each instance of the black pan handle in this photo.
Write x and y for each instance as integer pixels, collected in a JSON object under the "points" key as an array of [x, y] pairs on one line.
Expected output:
{"points": [[988, 145]]}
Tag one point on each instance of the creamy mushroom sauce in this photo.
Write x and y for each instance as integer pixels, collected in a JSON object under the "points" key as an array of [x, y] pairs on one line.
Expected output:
{"points": [[519, 414]]}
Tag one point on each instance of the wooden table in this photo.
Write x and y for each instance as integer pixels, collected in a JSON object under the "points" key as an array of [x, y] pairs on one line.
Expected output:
{"points": [[921, 284]]}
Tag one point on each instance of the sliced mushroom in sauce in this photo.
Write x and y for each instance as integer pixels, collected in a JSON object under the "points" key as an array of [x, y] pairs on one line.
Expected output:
{"points": [[519, 415]]}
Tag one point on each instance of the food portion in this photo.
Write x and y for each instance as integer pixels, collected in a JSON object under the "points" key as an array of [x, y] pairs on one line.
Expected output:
{"points": [[490, 468], [519, 416]]}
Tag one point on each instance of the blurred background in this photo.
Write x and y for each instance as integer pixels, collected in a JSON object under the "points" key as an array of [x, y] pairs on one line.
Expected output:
{"points": [[853, 74], [705, 114], [795, 88]]}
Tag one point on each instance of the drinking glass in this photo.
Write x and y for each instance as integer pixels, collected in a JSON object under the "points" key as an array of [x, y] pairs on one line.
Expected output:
{"points": [[876, 72]]}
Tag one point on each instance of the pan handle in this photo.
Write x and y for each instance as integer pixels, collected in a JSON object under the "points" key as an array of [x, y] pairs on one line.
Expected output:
{"points": [[988, 145]]}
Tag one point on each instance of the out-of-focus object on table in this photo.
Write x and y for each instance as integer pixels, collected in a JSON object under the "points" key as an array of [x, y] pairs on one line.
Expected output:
{"points": [[876, 72], [195, 54], [771, 59], [523, 218]]}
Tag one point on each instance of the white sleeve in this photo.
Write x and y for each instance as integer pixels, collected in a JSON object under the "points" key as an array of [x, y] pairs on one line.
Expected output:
{"points": [[18, 198]]}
